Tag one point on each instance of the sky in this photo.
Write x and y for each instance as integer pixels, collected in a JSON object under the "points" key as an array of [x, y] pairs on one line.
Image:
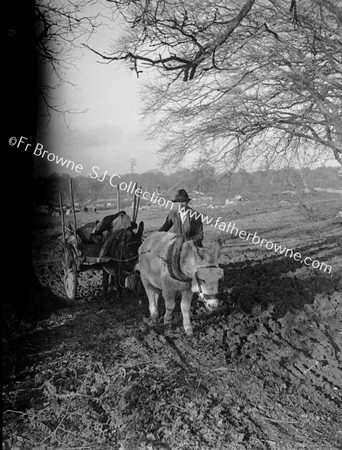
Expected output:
{"points": [[106, 129]]}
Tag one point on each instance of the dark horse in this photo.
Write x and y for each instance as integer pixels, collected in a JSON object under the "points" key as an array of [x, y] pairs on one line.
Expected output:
{"points": [[122, 249]]}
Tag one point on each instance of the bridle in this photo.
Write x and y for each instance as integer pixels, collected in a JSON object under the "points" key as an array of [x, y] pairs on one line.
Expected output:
{"points": [[199, 284], [125, 247]]}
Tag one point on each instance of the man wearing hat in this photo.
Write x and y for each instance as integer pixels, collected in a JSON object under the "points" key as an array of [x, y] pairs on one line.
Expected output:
{"points": [[184, 220]]}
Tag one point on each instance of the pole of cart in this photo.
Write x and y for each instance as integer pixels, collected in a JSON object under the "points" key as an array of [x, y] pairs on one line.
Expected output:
{"points": [[134, 203], [62, 214], [73, 206], [138, 203], [118, 198]]}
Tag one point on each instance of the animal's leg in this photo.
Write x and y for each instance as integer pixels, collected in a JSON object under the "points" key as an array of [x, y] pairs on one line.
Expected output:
{"points": [[118, 288], [140, 293], [112, 282], [170, 303], [109, 278], [105, 279], [185, 307], [153, 298]]}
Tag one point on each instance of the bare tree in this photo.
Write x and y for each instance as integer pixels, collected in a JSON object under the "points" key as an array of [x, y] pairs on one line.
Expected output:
{"points": [[262, 77], [61, 27]]}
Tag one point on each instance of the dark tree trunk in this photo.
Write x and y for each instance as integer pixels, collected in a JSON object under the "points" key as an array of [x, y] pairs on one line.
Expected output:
{"points": [[21, 74]]}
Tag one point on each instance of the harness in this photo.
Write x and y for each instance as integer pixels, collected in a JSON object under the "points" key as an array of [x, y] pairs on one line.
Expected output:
{"points": [[173, 264], [116, 245], [173, 260], [121, 269]]}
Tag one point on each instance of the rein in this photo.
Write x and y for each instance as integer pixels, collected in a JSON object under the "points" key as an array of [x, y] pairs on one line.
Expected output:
{"points": [[125, 259]]}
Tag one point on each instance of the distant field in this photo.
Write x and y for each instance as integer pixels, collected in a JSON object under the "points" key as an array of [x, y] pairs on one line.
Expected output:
{"points": [[261, 215]]}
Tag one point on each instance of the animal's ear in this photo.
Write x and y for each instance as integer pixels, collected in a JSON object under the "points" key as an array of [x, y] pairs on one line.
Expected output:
{"points": [[217, 249], [140, 230], [188, 255], [189, 248], [128, 234]]}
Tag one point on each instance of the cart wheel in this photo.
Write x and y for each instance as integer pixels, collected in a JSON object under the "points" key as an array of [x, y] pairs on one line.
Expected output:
{"points": [[69, 271]]}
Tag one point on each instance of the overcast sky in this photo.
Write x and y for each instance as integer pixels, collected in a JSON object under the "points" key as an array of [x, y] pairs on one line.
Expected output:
{"points": [[107, 130]]}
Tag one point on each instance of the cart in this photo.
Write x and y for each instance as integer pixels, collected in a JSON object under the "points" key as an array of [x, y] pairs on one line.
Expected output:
{"points": [[82, 249]]}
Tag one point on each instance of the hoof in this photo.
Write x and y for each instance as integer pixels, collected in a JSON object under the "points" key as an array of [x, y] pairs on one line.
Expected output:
{"points": [[168, 322], [189, 332]]}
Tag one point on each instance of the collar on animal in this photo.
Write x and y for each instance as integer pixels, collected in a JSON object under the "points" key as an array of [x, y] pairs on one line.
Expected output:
{"points": [[173, 260], [173, 263]]}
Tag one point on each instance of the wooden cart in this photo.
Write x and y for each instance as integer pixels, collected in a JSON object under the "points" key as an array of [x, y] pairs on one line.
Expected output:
{"points": [[79, 255]]}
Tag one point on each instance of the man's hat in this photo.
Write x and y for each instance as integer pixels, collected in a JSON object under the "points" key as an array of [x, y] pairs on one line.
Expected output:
{"points": [[181, 196]]}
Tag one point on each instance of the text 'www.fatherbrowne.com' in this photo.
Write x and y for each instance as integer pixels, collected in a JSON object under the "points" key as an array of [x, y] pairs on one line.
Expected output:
{"points": [[232, 229]]}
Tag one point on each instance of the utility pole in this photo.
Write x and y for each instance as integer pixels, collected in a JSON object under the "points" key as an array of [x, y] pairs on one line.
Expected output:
{"points": [[133, 164]]}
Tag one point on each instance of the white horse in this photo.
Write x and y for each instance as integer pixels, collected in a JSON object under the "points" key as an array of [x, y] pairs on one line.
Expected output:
{"points": [[167, 265]]}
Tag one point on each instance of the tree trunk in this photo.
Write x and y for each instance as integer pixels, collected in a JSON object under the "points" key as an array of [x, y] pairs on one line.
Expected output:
{"points": [[20, 120]]}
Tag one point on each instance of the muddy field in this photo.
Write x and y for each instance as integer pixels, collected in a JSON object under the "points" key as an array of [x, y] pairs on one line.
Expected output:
{"points": [[265, 372]]}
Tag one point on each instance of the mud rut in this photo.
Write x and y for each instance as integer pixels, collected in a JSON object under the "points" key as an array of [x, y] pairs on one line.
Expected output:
{"points": [[264, 373]]}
